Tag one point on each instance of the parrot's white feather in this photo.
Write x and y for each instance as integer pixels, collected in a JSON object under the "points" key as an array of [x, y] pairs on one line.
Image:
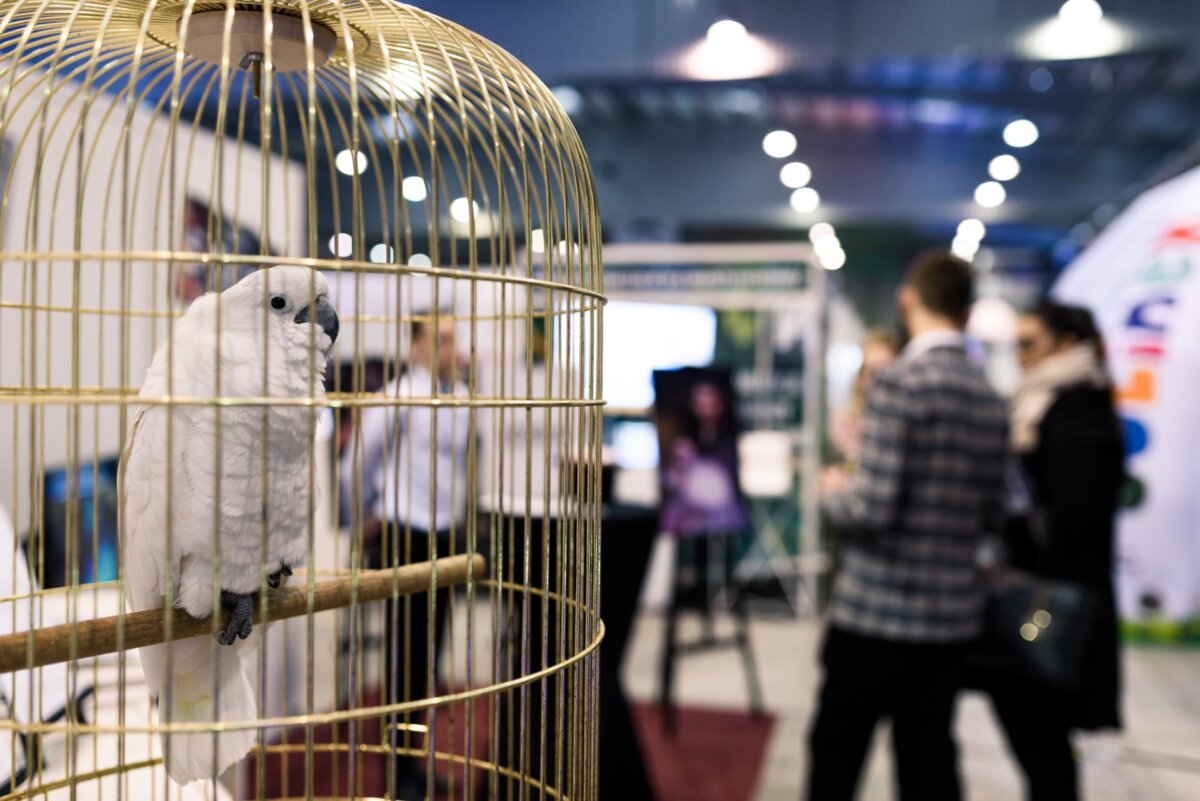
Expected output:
{"points": [[195, 472]]}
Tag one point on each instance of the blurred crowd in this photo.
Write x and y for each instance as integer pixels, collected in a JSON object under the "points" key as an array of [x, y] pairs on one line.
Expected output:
{"points": [[974, 540], [972, 536]]}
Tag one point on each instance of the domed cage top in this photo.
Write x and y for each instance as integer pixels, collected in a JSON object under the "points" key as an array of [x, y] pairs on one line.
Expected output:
{"points": [[407, 208]]}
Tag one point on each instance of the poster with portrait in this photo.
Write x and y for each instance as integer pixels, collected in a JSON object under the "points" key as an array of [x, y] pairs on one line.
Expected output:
{"points": [[206, 232], [698, 447]]}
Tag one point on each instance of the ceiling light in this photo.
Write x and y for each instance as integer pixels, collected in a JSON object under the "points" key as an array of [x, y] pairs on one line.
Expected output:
{"points": [[419, 260], [805, 200], [833, 260], [779, 144], [795, 174], [970, 230], [1004, 168], [820, 231], [381, 253], [827, 244], [565, 249], [990, 194], [350, 162], [730, 52], [414, 189], [965, 249], [726, 32], [1081, 11], [1041, 80], [341, 245], [1020, 133], [1079, 31], [570, 98], [462, 209]]}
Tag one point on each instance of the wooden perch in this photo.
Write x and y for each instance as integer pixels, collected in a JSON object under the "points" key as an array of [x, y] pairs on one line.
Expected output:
{"points": [[87, 638]]}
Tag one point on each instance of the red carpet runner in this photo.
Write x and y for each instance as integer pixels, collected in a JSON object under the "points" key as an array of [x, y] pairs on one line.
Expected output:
{"points": [[714, 755]]}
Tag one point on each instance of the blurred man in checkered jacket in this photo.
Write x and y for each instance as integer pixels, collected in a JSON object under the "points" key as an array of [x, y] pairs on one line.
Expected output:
{"points": [[910, 595]]}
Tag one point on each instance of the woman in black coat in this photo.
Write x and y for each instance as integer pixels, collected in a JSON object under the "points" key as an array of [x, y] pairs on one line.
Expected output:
{"points": [[1067, 436]]}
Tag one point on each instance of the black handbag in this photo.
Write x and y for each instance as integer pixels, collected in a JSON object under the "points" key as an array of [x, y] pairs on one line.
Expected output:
{"points": [[1034, 627], [1037, 627]]}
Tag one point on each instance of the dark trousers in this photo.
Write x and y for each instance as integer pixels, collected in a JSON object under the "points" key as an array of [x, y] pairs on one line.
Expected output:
{"points": [[629, 536], [406, 649], [522, 710], [868, 679], [1036, 720]]}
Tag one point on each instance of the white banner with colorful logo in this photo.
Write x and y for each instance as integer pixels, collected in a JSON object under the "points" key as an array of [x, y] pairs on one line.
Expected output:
{"points": [[1141, 278]]}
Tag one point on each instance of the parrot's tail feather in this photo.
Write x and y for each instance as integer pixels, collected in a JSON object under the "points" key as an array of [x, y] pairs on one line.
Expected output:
{"points": [[202, 688]]}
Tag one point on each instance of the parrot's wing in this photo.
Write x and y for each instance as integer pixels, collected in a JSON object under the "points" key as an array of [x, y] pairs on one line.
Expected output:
{"points": [[143, 485], [143, 525], [143, 520]]}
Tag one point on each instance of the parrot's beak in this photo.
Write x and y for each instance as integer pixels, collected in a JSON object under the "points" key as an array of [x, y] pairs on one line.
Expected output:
{"points": [[326, 317]]}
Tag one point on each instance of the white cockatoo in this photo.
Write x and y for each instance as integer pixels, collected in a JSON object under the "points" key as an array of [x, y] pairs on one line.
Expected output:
{"points": [[232, 486]]}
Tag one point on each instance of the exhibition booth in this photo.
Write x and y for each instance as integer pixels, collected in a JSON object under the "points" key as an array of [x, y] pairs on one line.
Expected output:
{"points": [[1140, 279]]}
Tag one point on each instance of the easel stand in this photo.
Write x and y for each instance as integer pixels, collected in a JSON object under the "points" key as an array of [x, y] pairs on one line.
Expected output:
{"points": [[693, 590]]}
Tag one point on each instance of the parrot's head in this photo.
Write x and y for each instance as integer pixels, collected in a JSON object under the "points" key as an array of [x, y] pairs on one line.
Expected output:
{"points": [[290, 303]]}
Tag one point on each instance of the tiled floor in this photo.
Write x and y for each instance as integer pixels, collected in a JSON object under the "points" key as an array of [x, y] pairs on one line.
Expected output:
{"points": [[1157, 758]]}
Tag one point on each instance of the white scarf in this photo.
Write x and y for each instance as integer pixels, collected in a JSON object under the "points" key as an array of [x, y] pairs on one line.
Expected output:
{"points": [[1042, 385]]}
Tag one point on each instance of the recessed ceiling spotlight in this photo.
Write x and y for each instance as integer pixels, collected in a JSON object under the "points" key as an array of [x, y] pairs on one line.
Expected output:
{"points": [[350, 162], [779, 144], [795, 174], [971, 229], [570, 98], [726, 32], [413, 189], [341, 245], [1081, 11], [827, 244], [381, 253], [461, 209], [821, 230], [805, 200], [832, 259], [1079, 30], [964, 249], [990, 194], [1004, 168], [1020, 133]]}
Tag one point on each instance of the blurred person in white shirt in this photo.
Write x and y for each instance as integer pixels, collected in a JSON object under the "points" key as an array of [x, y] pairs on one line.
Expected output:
{"points": [[413, 498]]}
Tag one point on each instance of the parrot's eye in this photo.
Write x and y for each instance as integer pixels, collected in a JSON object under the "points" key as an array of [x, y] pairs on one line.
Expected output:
{"points": [[279, 303]]}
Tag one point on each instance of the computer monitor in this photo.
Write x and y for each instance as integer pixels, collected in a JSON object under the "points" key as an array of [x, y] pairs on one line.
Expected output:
{"points": [[640, 338], [95, 549], [634, 444]]}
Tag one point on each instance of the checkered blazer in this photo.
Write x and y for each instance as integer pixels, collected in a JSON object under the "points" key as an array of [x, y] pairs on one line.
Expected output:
{"points": [[929, 488]]}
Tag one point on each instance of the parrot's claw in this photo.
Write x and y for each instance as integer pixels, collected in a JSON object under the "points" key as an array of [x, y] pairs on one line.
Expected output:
{"points": [[241, 617], [276, 578]]}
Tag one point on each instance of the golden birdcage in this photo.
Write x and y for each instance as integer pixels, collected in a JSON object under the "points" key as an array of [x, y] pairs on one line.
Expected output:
{"points": [[300, 417]]}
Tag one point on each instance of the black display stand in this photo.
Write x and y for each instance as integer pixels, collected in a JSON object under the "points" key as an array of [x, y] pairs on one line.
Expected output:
{"points": [[627, 538], [691, 592], [628, 534]]}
